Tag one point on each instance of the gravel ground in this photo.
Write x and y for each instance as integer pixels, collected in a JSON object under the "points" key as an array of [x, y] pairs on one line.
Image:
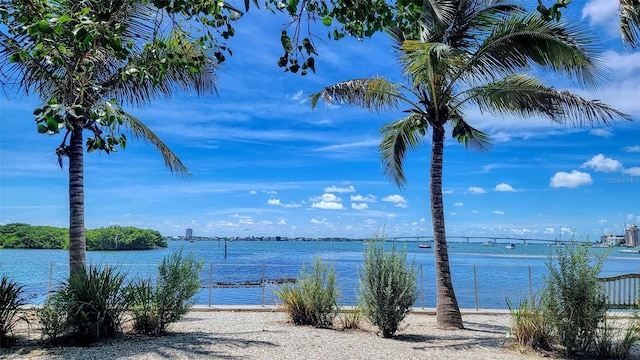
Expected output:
{"points": [[236, 334]]}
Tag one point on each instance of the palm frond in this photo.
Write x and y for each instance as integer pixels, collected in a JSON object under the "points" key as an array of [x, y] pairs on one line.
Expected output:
{"points": [[630, 22], [525, 96], [397, 138], [469, 136], [375, 94], [522, 41], [140, 131]]}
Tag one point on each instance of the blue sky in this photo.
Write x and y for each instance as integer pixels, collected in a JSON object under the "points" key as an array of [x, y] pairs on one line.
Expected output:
{"points": [[265, 164]]}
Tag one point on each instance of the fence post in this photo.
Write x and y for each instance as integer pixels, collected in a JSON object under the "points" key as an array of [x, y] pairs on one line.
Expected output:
{"points": [[475, 285], [210, 282], [422, 286], [531, 287], [264, 270], [50, 279]]}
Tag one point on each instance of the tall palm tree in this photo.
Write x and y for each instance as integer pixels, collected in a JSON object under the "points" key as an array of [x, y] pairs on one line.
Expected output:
{"points": [[472, 52], [85, 60]]}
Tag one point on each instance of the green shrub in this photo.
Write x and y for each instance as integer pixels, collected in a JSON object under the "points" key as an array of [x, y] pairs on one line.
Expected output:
{"points": [[153, 308], [11, 300], [351, 319], [388, 286], [615, 337], [53, 317], [313, 299], [571, 298], [530, 328], [89, 307]]}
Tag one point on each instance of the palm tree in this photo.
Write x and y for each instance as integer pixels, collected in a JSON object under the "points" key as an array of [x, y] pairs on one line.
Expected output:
{"points": [[472, 52], [87, 59]]}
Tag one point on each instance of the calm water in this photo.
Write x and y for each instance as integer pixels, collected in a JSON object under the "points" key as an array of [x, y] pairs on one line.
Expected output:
{"points": [[500, 272]]}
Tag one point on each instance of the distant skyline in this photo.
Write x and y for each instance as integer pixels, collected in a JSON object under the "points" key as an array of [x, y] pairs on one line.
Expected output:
{"points": [[265, 164]]}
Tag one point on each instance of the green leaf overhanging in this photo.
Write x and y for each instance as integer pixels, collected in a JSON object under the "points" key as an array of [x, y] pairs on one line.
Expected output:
{"points": [[398, 137], [373, 94]]}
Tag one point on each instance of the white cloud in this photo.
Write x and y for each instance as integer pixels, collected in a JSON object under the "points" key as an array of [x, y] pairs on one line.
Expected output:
{"points": [[549, 230], [476, 190], [635, 148], [277, 202], [321, 221], [602, 12], [474, 211], [397, 200], [498, 212], [635, 171], [570, 180], [253, 192], [282, 222], [601, 132], [366, 198], [565, 230], [453, 214], [602, 221], [359, 206], [459, 203], [336, 189], [327, 205], [326, 198], [447, 191], [601, 163], [504, 188], [297, 96], [270, 192], [246, 221]]}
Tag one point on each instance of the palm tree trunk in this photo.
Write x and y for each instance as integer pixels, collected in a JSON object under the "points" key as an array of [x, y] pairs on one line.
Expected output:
{"points": [[77, 245], [447, 311]]}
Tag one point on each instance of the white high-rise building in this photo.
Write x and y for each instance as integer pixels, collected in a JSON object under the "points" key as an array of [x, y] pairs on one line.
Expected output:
{"points": [[632, 236]]}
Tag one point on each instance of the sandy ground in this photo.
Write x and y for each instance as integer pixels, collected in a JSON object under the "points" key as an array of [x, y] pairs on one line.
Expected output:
{"points": [[268, 334]]}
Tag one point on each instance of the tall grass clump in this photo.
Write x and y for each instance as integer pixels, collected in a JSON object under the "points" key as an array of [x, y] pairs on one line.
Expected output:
{"points": [[89, 307], [572, 300], [615, 337], [313, 299], [11, 299], [388, 286], [529, 326], [155, 307]]}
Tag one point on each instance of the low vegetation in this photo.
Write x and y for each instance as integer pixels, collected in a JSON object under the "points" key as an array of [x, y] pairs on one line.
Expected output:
{"points": [[11, 299], [94, 303], [313, 299], [571, 313], [24, 236], [89, 307], [388, 286], [155, 307]]}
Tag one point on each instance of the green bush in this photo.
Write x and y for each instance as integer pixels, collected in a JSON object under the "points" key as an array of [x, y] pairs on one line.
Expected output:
{"points": [[388, 286], [571, 298], [11, 300], [530, 327], [89, 307], [615, 337], [153, 308], [313, 299]]}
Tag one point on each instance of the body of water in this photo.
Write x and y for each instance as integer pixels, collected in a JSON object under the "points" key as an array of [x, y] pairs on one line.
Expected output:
{"points": [[495, 271]]}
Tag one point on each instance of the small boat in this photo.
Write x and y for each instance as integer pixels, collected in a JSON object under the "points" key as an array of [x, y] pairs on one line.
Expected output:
{"points": [[510, 246], [424, 246], [631, 250], [489, 243]]}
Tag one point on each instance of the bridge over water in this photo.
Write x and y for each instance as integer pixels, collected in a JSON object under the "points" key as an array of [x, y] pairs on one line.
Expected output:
{"points": [[469, 239]]}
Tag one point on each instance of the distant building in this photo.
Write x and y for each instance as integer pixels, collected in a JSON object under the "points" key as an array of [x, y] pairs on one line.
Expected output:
{"points": [[632, 236], [189, 233], [612, 239]]}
